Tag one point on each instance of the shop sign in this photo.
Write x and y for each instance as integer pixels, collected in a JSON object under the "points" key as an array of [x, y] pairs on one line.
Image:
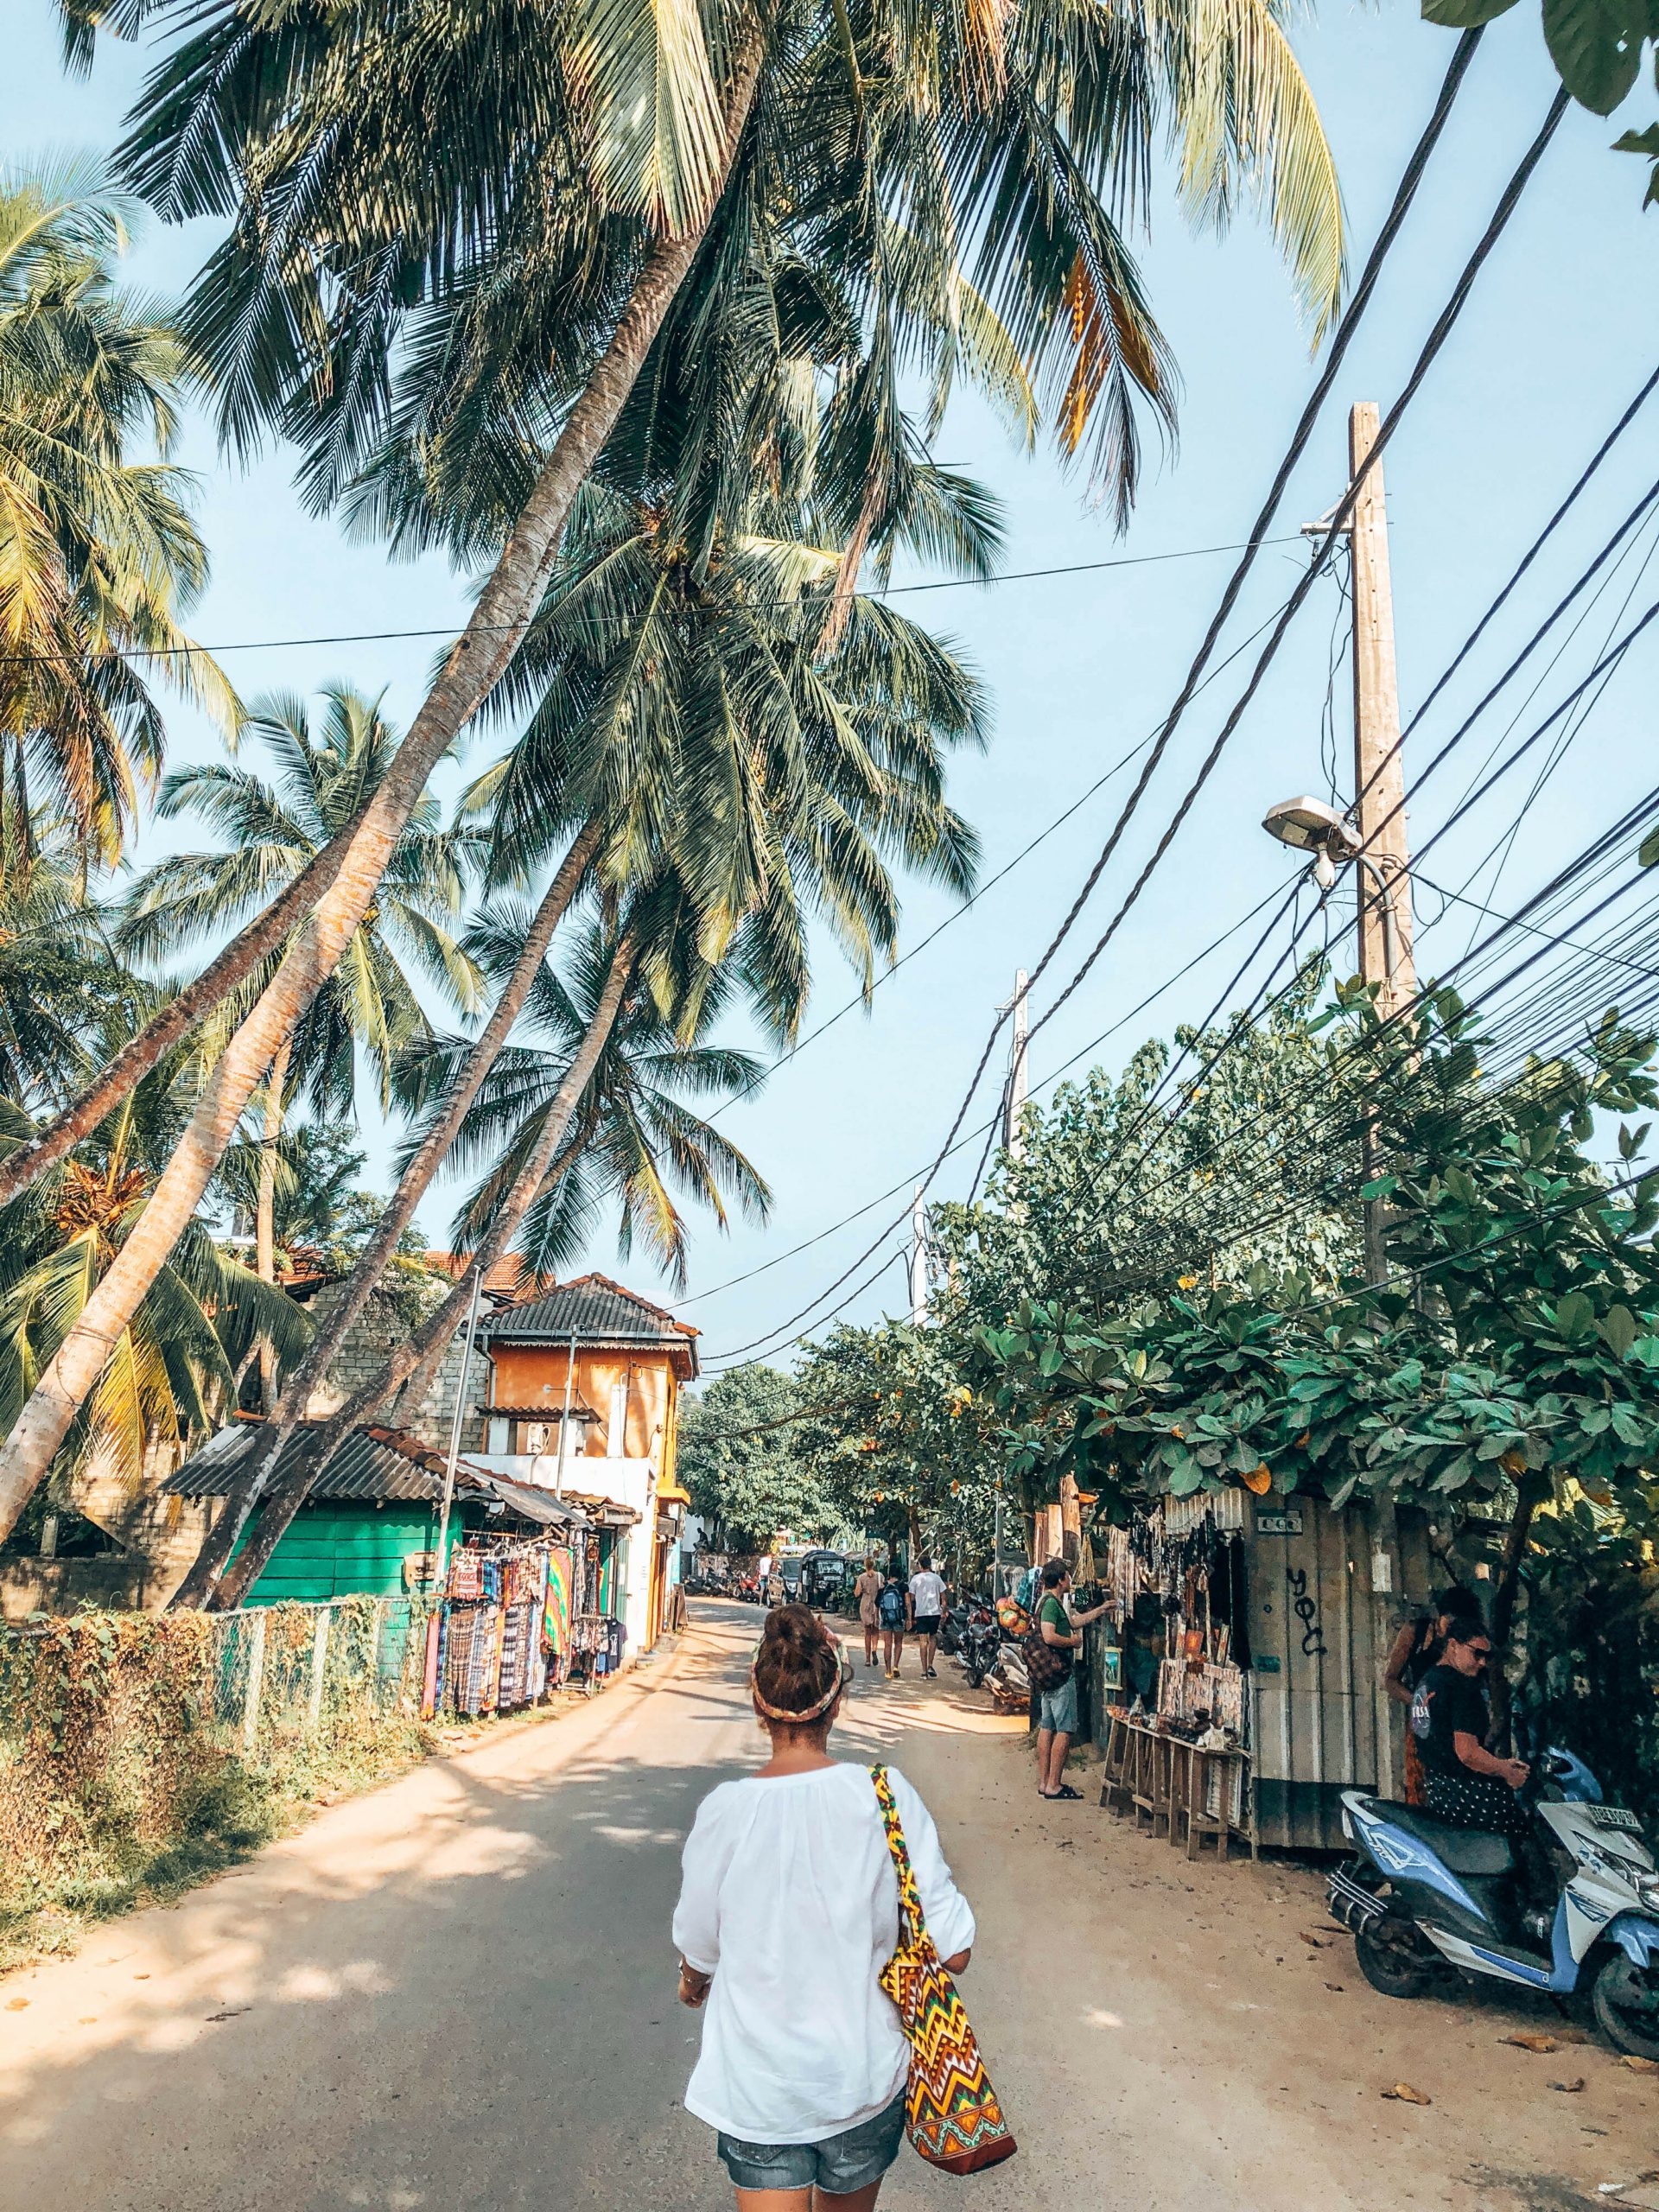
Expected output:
{"points": [[1287, 1523]]}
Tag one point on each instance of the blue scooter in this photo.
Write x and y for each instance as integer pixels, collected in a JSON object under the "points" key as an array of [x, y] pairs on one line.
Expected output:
{"points": [[1422, 1895]]}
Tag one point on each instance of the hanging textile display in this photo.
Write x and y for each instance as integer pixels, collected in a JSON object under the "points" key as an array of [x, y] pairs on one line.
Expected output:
{"points": [[557, 1608]]}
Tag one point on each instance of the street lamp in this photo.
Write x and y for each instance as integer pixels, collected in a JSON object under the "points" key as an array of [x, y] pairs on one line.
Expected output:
{"points": [[1308, 825]]}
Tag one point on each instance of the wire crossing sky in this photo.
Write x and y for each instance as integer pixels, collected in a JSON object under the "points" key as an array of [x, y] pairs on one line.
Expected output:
{"points": [[1082, 659]]}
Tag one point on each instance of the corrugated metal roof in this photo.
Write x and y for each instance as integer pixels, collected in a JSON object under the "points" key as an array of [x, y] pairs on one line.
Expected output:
{"points": [[593, 1310], [366, 1466], [362, 1467]]}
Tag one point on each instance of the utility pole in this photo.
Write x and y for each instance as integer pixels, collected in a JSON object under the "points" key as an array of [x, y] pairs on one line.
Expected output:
{"points": [[1018, 1081], [1382, 884], [1382, 888], [918, 1261]]}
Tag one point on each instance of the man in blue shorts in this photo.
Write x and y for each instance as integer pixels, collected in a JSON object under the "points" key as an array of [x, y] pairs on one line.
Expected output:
{"points": [[1056, 1721]]}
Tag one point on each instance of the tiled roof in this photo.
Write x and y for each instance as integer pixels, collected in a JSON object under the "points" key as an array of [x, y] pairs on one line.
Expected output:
{"points": [[371, 1464], [505, 1280], [593, 1310]]}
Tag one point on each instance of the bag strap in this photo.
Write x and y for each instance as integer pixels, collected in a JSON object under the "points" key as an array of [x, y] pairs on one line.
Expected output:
{"points": [[912, 1926]]}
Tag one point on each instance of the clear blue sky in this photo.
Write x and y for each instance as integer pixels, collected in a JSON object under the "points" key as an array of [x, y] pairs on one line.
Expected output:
{"points": [[1562, 328]]}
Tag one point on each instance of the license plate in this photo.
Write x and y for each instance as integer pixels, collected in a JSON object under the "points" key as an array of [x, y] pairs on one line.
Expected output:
{"points": [[1613, 1816]]}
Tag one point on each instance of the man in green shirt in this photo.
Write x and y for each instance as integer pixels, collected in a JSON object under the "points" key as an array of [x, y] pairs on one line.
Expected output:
{"points": [[1057, 1721]]}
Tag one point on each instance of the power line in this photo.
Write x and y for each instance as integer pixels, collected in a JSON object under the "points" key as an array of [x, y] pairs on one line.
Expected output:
{"points": [[1404, 196], [490, 629], [907, 1182]]}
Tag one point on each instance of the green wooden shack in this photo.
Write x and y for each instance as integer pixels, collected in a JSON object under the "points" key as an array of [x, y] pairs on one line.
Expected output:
{"points": [[370, 1524]]}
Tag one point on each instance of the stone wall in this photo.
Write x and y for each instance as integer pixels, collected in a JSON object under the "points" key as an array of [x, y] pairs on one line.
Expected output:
{"points": [[382, 1323]]}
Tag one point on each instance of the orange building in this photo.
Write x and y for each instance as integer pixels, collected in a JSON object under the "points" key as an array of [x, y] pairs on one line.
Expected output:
{"points": [[582, 1397]]}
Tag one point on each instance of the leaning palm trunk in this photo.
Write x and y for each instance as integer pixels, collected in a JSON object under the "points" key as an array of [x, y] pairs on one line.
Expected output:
{"points": [[264, 1226], [413, 1363], [371, 1261], [184, 1012], [491, 637], [847, 569]]}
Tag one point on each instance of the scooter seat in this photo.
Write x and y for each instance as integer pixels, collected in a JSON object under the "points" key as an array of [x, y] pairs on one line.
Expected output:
{"points": [[1464, 1850]]}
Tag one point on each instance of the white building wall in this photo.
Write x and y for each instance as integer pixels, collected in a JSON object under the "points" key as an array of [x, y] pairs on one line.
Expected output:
{"points": [[628, 1482]]}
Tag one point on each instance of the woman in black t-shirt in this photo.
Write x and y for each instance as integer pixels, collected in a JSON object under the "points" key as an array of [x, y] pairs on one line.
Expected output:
{"points": [[1465, 1784], [1415, 1649]]}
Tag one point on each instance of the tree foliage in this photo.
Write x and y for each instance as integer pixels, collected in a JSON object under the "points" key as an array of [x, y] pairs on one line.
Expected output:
{"points": [[749, 1487]]}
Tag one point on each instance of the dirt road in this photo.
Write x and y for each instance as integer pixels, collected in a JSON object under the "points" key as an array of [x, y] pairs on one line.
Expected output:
{"points": [[456, 1995]]}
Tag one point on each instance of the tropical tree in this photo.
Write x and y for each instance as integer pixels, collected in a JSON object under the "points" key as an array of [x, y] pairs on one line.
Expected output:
{"points": [[99, 554], [738, 1456], [271, 828], [634, 1137], [646, 135], [172, 1373], [59, 978], [680, 698]]}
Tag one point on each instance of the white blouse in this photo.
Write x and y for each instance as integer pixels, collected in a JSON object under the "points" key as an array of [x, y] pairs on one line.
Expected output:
{"points": [[789, 1898]]}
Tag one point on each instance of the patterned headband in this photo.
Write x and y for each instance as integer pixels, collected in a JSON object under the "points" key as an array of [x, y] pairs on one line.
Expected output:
{"points": [[843, 1675]]}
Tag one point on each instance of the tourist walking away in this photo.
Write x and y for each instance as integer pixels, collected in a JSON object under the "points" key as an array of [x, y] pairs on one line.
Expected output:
{"points": [[894, 1605], [926, 1604], [1466, 1784], [1057, 1710], [788, 1912], [867, 1591], [1415, 1650]]}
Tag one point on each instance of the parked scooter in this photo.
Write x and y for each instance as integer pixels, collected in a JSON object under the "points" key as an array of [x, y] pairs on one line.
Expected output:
{"points": [[978, 1640], [1422, 1893]]}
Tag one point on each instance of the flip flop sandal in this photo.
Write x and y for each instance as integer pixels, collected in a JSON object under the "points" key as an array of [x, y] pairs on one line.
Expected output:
{"points": [[1066, 1790]]}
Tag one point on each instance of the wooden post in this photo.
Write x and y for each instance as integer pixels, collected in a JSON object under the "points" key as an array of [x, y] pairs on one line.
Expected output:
{"points": [[256, 1622], [318, 1667], [1018, 1072], [1382, 889]]}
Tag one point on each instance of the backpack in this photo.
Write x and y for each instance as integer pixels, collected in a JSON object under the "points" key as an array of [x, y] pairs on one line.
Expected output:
{"points": [[891, 1606], [1048, 1666]]}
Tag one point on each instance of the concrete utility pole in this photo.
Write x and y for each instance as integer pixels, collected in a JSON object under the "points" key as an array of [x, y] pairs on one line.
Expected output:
{"points": [[1019, 1081], [918, 1261], [1385, 885]]}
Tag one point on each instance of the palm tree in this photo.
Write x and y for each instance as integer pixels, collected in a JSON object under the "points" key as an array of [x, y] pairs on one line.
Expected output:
{"points": [[377, 168], [271, 828], [59, 980], [97, 551], [633, 1137], [171, 1374], [676, 701]]}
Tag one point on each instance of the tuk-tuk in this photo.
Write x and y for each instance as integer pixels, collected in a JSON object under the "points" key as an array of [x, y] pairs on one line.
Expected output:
{"points": [[825, 1579]]}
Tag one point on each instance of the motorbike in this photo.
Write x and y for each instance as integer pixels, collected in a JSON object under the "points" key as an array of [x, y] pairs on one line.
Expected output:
{"points": [[1010, 1677], [978, 1640], [1423, 1895]]}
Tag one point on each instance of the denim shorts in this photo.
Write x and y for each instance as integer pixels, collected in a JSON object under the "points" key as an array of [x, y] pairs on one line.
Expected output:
{"points": [[847, 2162], [1058, 1708]]}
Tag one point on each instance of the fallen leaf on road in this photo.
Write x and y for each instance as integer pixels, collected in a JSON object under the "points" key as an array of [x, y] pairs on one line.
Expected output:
{"points": [[1403, 2093], [89, 2021], [1569, 2089], [141, 1977], [234, 2013], [16, 2003], [1539, 2044], [1337, 1986], [1318, 1942], [1640, 2065]]}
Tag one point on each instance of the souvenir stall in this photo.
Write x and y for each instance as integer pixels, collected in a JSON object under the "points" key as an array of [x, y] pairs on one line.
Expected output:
{"points": [[1241, 1691], [1175, 1723], [505, 1631]]}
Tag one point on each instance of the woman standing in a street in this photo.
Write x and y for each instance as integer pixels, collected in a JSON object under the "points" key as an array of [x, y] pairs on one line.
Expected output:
{"points": [[788, 1912], [867, 1591]]}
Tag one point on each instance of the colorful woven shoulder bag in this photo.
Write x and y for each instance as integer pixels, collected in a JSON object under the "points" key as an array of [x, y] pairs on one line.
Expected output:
{"points": [[951, 2114]]}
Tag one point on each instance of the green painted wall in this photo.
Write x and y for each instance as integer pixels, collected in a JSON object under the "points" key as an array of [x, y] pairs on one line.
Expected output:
{"points": [[332, 1550]]}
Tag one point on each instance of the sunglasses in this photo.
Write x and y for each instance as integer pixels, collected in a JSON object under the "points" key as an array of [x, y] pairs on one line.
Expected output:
{"points": [[1481, 1651]]}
